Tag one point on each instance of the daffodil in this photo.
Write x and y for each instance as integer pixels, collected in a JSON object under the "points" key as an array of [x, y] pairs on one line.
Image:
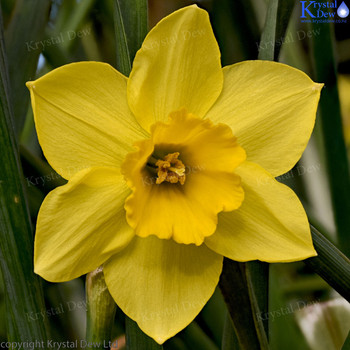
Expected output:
{"points": [[170, 170]]}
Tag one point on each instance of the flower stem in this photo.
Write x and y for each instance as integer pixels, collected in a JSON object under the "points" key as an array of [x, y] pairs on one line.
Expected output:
{"points": [[101, 310]]}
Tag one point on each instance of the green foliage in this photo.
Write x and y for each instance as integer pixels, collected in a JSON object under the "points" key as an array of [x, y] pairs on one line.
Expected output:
{"points": [[63, 31]]}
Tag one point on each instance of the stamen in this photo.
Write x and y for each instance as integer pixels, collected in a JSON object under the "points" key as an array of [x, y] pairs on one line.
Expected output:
{"points": [[171, 169], [178, 171]]}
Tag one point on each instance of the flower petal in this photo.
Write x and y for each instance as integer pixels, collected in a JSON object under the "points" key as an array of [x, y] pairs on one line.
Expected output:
{"points": [[80, 113], [162, 285], [206, 146], [81, 224], [271, 109], [271, 224], [188, 212], [177, 66]]}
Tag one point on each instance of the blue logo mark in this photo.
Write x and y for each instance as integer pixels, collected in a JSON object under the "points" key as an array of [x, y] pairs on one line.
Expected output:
{"points": [[343, 10], [323, 11], [306, 8]]}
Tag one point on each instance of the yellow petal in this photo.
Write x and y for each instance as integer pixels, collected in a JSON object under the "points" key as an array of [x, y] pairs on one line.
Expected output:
{"points": [[82, 117], [177, 66], [271, 224], [186, 215], [162, 285], [185, 212], [271, 109], [207, 146], [81, 224]]}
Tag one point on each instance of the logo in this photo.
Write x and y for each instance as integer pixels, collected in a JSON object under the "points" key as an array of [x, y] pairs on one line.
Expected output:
{"points": [[324, 11], [343, 10]]}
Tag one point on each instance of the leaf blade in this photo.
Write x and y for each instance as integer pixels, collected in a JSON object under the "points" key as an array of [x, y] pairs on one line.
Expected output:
{"points": [[129, 15], [331, 264], [24, 293], [26, 27]]}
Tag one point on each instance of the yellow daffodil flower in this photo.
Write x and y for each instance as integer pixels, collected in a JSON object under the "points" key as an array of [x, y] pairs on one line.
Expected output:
{"points": [[170, 170]]}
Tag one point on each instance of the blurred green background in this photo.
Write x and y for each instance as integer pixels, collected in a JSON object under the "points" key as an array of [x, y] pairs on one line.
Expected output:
{"points": [[40, 35]]}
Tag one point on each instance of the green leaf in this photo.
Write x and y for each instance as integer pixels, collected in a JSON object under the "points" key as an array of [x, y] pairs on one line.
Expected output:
{"points": [[229, 337], [331, 123], [195, 338], [70, 19], [42, 173], [135, 19], [24, 294], [237, 30], [175, 343], [11, 332], [284, 331], [22, 38], [136, 339], [346, 345], [284, 12], [101, 310], [123, 54], [65, 9], [213, 316], [233, 285], [268, 36], [73, 22], [331, 264], [257, 274], [277, 18], [131, 26]]}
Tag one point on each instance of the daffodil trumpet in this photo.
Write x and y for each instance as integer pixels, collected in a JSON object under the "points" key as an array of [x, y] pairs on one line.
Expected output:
{"points": [[127, 147]]}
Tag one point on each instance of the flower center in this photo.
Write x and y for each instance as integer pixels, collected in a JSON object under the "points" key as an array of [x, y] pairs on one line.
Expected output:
{"points": [[181, 178], [170, 169]]}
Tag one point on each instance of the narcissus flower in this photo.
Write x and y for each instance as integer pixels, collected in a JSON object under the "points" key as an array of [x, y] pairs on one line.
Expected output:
{"points": [[170, 170]]}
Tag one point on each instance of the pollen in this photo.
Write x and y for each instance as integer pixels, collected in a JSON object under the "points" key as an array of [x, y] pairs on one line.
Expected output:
{"points": [[170, 169]]}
